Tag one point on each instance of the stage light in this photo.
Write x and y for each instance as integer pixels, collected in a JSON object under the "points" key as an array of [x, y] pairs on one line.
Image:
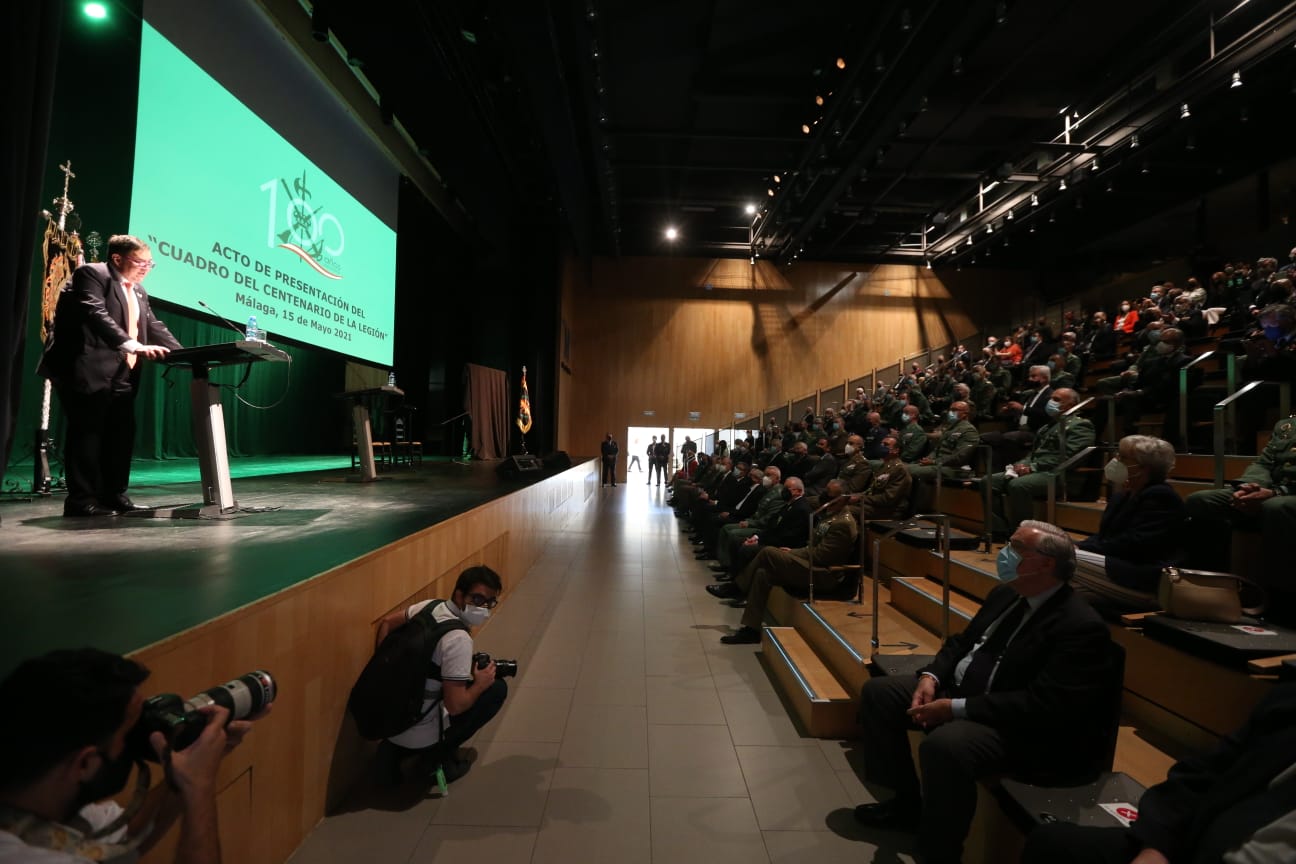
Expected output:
{"points": [[1109, 186], [841, 62], [671, 233], [1062, 185], [1134, 142], [805, 128], [95, 11], [1001, 13], [1034, 200], [906, 20], [969, 240], [990, 229], [1011, 216], [1032, 229], [1093, 166], [751, 209], [769, 192], [1184, 113], [818, 100], [929, 264], [1237, 81], [778, 178]]}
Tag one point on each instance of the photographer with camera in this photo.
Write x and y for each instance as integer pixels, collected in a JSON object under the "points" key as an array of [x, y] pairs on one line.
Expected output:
{"points": [[73, 725], [463, 689]]}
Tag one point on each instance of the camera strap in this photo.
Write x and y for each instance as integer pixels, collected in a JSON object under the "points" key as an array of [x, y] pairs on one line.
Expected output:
{"points": [[80, 838]]}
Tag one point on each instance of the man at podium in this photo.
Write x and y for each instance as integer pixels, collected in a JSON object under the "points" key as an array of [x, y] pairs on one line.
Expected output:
{"points": [[103, 327]]}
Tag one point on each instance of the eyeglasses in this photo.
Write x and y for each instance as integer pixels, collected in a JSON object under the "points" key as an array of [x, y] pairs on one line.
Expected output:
{"points": [[143, 265], [483, 601]]}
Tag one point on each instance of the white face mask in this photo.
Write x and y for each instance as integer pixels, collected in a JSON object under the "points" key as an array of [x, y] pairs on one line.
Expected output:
{"points": [[1117, 473], [474, 616], [767, 481], [849, 449]]}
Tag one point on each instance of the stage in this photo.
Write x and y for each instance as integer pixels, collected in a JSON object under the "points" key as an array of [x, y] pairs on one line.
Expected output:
{"points": [[122, 583]]}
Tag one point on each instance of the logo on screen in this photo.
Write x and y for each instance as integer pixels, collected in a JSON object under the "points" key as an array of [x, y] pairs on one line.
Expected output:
{"points": [[308, 231]]}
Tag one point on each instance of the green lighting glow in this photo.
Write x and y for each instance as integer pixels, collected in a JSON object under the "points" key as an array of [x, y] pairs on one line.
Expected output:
{"points": [[97, 11]]}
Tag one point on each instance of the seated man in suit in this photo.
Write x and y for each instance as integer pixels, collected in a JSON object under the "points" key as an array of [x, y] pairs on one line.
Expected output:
{"points": [[1022, 690], [835, 541], [761, 516], [788, 528], [1236, 805], [823, 470], [1015, 491], [710, 513]]}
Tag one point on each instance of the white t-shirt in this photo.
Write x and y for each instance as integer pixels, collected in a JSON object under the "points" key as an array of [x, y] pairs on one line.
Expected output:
{"points": [[14, 851], [454, 655]]}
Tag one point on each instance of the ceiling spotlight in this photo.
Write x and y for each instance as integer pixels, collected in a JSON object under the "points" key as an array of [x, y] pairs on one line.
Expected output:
{"points": [[1011, 216], [1093, 166], [95, 11], [1134, 142], [1191, 145], [1146, 169], [1062, 185], [841, 62], [1109, 186], [1237, 81], [969, 240], [929, 266], [880, 63], [594, 51], [906, 20], [1034, 200], [1052, 218], [805, 128], [671, 233], [990, 229], [818, 100], [778, 178], [1032, 229], [751, 209], [1184, 113], [1001, 12], [769, 192], [957, 64]]}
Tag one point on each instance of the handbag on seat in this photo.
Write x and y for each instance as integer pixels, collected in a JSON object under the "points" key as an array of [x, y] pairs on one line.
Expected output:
{"points": [[1201, 595]]}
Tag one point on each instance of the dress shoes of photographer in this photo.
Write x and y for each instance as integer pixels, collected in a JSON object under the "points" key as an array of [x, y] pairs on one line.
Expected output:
{"points": [[898, 814], [80, 511], [724, 590], [742, 636]]}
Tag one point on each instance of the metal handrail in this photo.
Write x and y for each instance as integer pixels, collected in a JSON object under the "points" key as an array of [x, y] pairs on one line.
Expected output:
{"points": [[1224, 425], [1059, 475], [944, 537], [1078, 406], [1183, 396]]}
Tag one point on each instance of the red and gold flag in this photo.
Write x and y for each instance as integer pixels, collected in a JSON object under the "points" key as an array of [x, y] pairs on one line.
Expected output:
{"points": [[524, 407]]}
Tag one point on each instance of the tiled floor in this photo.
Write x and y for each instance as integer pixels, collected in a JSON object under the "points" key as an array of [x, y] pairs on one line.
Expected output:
{"points": [[630, 734]]}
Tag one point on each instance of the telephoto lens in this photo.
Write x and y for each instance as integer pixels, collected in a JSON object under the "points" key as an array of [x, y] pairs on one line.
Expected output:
{"points": [[183, 722]]}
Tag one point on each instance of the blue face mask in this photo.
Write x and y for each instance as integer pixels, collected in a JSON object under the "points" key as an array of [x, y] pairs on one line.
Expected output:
{"points": [[1052, 366], [1273, 332], [953, 417], [1006, 564]]}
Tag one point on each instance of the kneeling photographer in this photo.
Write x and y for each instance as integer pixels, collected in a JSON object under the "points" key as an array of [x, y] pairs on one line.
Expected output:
{"points": [[73, 725], [457, 691]]}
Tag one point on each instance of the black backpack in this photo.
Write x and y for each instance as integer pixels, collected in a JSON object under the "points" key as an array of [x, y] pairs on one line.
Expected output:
{"points": [[388, 696]]}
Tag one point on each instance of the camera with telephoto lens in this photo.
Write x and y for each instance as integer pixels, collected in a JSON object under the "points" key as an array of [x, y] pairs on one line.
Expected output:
{"points": [[182, 722], [503, 668]]}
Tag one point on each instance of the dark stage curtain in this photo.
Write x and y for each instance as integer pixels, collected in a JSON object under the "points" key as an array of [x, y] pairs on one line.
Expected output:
{"points": [[31, 34], [486, 398]]}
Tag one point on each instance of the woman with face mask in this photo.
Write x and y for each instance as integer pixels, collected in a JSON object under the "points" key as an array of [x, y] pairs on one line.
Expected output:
{"points": [[1128, 318], [1119, 567]]}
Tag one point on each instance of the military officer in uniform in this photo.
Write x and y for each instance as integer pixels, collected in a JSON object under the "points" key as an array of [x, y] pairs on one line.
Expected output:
{"points": [[984, 395], [887, 495], [731, 536], [835, 541], [956, 447], [914, 440], [1265, 497], [1014, 491], [856, 473]]}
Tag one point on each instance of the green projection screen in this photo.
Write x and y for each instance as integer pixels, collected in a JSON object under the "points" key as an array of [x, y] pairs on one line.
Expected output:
{"points": [[239, 219]]}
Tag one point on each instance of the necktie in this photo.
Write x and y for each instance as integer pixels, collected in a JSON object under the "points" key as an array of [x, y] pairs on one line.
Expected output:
{"points": [[132, 319], [977, 675]]}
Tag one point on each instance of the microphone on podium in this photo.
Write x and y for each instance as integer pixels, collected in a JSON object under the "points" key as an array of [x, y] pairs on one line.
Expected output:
{"points": [[237, 329]]}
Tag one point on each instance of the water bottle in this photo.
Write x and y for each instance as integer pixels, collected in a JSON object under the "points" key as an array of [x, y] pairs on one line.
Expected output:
{"points": [[391, 378], [252, 331]]}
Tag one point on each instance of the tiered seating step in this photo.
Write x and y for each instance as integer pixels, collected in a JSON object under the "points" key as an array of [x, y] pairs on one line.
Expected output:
{"points": [[821, 703], [1081, 517], [1201, 466], [921, 599]]}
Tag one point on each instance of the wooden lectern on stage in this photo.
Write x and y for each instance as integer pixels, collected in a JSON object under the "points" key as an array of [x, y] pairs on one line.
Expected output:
{"points": [[361, 419], [209, 420]]}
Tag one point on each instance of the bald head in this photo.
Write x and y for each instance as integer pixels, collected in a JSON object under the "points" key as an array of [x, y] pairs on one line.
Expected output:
{"points": [[961, 409], [1067, 398], [774, 473]]}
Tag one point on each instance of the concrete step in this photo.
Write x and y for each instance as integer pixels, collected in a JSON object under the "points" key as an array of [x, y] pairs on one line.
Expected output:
{"points": [[1201, 466], [920, 599], [1082, 517], [824, 707]]}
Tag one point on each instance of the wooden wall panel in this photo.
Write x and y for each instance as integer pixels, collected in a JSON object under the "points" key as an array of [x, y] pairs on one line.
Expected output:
{"points": [[674, 335], [316, 636]]}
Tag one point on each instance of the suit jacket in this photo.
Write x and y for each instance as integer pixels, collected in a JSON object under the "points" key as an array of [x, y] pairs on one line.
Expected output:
{"points": [[816, 479], [1049, 696], [1036, 417], [1210, 804], [84, 354], [747, 505], [1139, 534], [791, 528]]}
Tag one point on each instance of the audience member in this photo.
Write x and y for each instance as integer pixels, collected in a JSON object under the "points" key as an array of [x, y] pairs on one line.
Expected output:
{"points": [[955, 449], [887, 494]]}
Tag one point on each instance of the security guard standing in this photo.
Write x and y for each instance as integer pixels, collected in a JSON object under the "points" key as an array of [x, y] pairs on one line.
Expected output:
{"points": [[957, 445]]}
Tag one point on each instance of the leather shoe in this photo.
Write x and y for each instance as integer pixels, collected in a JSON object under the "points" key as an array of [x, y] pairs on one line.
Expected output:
{"points": [[743, 636], [126, 505], [721, 568], [724, 590], [737, 603], [704, 555], [896, 814], [82, 510]]}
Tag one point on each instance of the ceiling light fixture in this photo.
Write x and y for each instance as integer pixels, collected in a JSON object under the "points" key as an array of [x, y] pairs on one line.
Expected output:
{"points": [[1184, 113], [671, 233], [906, 20], [1237, 81], [929, 266], [990, 229], [95, 11], [805, 128], [1093, 166], [1062, 185], [778, 178], [1034, 200], [1134, 142], [1011, 216], [769, 192], [841, 62], [818, 100], [751, 209]]}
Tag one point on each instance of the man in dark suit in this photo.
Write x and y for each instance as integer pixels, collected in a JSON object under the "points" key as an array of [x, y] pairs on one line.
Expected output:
{"points": [[610, 451], [103, 326], [1236, 804], [788, 529], [1021, 690]]}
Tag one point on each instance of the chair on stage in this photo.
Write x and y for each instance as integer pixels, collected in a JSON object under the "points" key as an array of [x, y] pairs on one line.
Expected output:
{"points": [[404, 448]]}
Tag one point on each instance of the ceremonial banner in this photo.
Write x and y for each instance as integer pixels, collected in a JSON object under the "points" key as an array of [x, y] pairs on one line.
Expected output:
{"points": [[524, 407]]}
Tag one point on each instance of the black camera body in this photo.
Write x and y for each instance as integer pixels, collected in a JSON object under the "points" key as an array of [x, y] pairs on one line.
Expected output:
{"points": [[182, 722], [503, 668]]}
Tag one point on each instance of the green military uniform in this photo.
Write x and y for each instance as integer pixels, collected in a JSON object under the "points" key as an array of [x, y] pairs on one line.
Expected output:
{"points": [[1212, 514], [887, 495], [835, 540], [914, 442], [890, 408], [856, 474], [984, 394], [767, 512], [1001, 377], [956, 447], [1069, 374], [918, 398], [1014, 499]]}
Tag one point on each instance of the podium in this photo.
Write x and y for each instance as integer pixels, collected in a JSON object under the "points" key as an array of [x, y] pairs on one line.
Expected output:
{"points": [[362, 420], [208, 417]]}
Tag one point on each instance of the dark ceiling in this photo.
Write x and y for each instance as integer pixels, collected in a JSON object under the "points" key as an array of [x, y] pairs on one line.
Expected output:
{"points": [[608, 122]]}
